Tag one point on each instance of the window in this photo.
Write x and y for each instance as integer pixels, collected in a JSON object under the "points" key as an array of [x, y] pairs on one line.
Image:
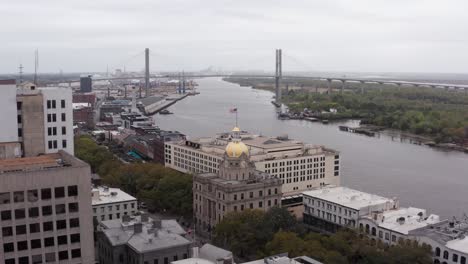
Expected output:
{"points": [[6, 215], [49, 118], [37, 259], [18, 197], [46, 194], [7, 231], [19, 105], [175, 258], [62, 103], [74, 222], [49, 104], [10, 261], [64, 143], [462, 260], [446, 254], [251, 195], [48, 226], [35, 243], [76, 253], [59, 192], [260, 204], [60, 209], [260, 193], [50, 257], [73, 207], [61, 224], [33, 196], [63, 117], [23, 260], [156, 261], [62, 240], [75, 238], [8, 247], [72, 190], [63, 255], [55, 144], [166, 260], [33, 212], [5, 198], [20, 132], [22, 245], [64, 130], [49, 242], [455, 257], [34, 228], [46, 210], [20, 213]]}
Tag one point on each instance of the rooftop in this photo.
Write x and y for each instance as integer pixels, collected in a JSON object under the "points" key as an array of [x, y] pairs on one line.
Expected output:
{"points": [[404, 220], [453, 234], [348, 197], [42, 162], [105, 195], [145, 235]]}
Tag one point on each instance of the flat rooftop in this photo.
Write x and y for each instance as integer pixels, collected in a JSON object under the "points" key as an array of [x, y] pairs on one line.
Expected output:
{"points": [[41, 162], [347, 197], [150, 238], [103, 195], [459, 244], [414, 218]]}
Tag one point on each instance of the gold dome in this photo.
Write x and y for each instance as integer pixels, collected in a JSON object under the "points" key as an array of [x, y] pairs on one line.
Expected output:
{"points": [[235, 149]]}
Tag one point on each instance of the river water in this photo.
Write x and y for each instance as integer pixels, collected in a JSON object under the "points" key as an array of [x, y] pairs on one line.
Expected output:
{"points": [[419, 176]]}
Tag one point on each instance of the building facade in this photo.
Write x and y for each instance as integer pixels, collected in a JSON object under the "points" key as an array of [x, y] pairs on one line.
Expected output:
{"points": [[299, 166], [112, 203], [237, 186], [330, 209], [45, 210], [142, 240]]}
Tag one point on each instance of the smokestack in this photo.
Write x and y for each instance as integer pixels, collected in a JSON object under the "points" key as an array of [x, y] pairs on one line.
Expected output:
{"points": [[146, 71]]}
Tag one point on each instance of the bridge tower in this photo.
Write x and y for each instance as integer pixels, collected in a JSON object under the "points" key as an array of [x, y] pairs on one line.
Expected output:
{"points": [[147, 72], [278, 75]]}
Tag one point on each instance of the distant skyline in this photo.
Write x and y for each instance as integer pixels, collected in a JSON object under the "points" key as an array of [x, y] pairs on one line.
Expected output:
{"points": [[332, 35]]}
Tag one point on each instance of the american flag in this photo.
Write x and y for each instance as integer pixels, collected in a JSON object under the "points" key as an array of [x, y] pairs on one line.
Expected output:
{"points": [[233, 110]]}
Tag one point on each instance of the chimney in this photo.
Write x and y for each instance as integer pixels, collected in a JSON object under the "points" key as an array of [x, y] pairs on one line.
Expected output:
{"points": [[157, 223], [195, 251], [125, 218], [144, 218], [137, 228]]}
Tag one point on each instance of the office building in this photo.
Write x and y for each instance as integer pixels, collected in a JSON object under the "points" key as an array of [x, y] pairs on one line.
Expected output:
{"points": [[237, 186], [395, 226], [9, 140], [86, 84], [45, 210], [299, 166], [141, 240], [112, 203], [329, 209]]}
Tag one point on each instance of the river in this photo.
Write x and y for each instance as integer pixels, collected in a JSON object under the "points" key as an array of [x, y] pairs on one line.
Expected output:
{"points": [[419, 176]]}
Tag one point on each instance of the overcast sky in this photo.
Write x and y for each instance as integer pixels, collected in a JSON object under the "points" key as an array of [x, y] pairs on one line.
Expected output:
{"points": [[326, 35]]}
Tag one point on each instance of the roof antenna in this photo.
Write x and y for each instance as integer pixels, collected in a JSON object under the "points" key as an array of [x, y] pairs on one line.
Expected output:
{"points": [[21, 73], [36, 65]]}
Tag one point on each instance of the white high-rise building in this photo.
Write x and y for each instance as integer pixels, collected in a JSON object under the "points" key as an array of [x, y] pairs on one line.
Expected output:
{"points": [[35, 120], [58, 119]]}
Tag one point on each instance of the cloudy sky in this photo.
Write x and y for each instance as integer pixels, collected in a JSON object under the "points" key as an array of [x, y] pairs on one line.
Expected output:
{"points": [[326, 35]]}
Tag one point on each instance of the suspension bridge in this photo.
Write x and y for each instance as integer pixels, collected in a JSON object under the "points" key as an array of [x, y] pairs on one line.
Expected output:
{"points": [[277, 77]]}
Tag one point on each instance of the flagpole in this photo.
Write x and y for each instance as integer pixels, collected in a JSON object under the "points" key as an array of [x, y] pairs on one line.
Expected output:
{"points": [[236, 116]]}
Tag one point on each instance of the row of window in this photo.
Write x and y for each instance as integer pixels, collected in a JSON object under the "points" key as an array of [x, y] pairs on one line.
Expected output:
{"points": [[33, 195], [295, 162], [52, 144], [53, 117], [52, 131], [49, 257], [110, 207], [52, 104], [8, 231], [34, 211], [330, 207], [446, 255], [38, 243]]}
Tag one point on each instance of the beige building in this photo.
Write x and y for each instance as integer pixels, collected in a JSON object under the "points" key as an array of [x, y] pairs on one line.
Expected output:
{"points": [[237, 185], [299, 166], [45, 210]]}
